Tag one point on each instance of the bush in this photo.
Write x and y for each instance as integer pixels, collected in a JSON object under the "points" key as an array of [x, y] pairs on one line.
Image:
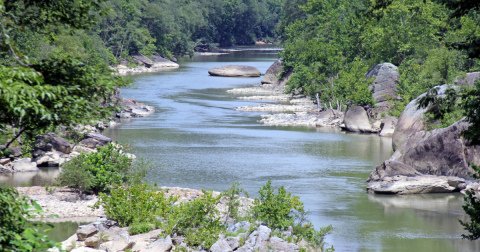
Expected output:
{"points": [[135, 204], [16, 233], [232, 197], [96, 171]]}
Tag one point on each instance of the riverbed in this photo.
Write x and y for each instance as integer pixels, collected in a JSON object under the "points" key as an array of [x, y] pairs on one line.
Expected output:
{"points": [[196, 140]]}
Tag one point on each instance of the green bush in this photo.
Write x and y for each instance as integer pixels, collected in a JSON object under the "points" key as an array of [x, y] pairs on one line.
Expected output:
{"points": [[277, 210], [96, 171], [135, 204], [141, 228], [16, 233], [232, 197]]}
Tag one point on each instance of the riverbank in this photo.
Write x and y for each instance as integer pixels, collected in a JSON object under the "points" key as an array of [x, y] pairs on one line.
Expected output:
{"points": [[68, 205]]}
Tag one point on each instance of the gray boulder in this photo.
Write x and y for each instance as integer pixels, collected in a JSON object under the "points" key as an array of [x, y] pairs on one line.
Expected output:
{"points": [[385, 84], [427, 162], [160, 245], [356, 120], [132, 108], [162, 62], [412, 118], [84, 232], [273, 72], [471, 77], [278, 244], [120, 243], [388, 125], [47, 142], [235, 71], [233, 242], [220, 246], [142, 60], [50, 159], [92, 140], [245, 225], [23, 165]]}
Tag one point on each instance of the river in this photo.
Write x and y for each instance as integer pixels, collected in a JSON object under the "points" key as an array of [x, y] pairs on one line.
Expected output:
{"points": [[195, 139]]}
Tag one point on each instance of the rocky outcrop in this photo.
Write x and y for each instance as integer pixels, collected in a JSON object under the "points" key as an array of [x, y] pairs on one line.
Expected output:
{"points": [[161, 62], [92, 140], [273, 72], [385, 84], [412, 118], [132, 108], [436, 161], [235, 71], [387, 126], [142, 60], [356, 120], [50, 141]]}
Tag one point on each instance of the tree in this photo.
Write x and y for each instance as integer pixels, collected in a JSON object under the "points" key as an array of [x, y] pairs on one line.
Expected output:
{"points": [[38, 95]]}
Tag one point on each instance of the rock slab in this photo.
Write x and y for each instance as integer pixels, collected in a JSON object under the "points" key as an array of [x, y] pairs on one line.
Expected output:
{"points": [[235, 71], [356, 120]]}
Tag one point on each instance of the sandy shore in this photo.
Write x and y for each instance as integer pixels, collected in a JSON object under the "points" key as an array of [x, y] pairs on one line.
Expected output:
{"points": [[67, 204]]}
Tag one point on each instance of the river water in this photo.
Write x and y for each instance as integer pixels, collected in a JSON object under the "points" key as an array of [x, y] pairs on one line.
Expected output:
{"points": [[195, 139]]}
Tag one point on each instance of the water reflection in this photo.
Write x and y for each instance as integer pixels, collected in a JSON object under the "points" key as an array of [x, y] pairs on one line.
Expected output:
{"points": [[44, 176]]}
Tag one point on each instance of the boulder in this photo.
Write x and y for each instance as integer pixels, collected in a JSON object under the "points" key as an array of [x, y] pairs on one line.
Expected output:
{"points": [[220, 246], [23, 165], [161, 62], [50, 159], [388, 125], [86, 249], [92, 140], [120, 243], [245, 225], [83, 232], [278, 244], [4, 161], [436, 161], [235, 71], [273, 72], [471, 77], [356, 120], [233, 242], [47, 142], [385, 84], [142, 60], [132, 108], [412, 118], [160, 245]]}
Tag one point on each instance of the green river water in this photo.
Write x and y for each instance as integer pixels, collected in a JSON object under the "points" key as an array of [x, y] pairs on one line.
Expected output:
{"points": [[195, 139]]}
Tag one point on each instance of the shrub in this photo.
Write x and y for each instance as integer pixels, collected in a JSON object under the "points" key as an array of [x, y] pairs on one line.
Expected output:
{"points": [[232, 197], [16, 233], [277, 210], [96, 171], [141, 228], [134, 204]]}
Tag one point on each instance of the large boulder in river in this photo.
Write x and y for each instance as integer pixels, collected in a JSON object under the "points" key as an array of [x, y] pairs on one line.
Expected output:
{"points": [[356, 120], [412, 118], [234, 71], [92, 140], [436, 161], [161, 62], [273, 72], [47, 142]]}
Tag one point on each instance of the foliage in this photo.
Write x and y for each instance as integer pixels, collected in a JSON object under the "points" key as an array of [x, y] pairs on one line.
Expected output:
{"points": [[471, 206], [16, 233], [471, 105], [134, 204], [276, 209], [97, 171], [232, 197], [141, 228], [198, 220]]}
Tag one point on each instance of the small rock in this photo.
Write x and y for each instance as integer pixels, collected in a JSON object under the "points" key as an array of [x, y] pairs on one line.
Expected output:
{"points": [[233, 242], [160, 245], [121, 243], [86, 231], [221, 246], [279, 244], [245, 225], [4, 161]]}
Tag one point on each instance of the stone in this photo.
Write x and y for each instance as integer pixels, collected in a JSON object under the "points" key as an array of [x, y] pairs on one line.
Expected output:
{"points": [[436, 161], [161, 62], [143, 240], [233, 242], [93, 241], [412, 118], [120, 243], [23, 165], [142, 60], [4, 161], [234, 71], [245, 225], [245, 248], [132, 108], [50, 159], [4, 169], [356, 120], [278, 244], [273, 72], [160, 245], [385, 84], [83, 232], [86, 249], [471, 77], [47, 142], [220, 246], [92, 140], [388, 125], [83, 149], [418, 184]]}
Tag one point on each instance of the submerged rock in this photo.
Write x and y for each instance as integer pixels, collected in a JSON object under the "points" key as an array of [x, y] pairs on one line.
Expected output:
{"points": [[235, 71]]}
